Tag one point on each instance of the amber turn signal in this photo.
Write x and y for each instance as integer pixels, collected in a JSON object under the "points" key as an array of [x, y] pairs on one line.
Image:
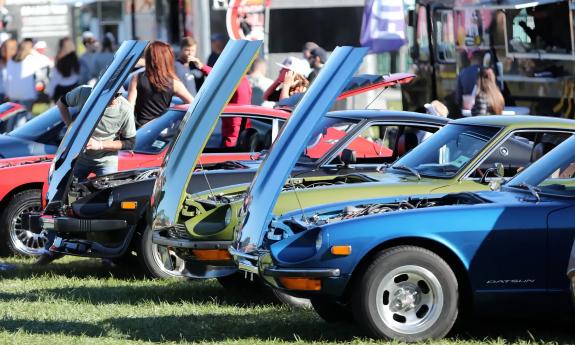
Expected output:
{"points": [[341, 250], [129, 205], [211, 254], [306, 284]]}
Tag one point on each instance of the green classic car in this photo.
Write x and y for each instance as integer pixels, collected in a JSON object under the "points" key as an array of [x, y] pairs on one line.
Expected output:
{"points": [[468, 154]]}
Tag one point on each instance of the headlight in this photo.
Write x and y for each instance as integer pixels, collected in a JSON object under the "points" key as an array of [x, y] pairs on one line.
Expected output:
{"points": [[318, 241], [110, 199]]}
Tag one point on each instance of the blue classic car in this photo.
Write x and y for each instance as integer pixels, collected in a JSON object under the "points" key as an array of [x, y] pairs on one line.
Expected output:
{"points": [[404, 267]]}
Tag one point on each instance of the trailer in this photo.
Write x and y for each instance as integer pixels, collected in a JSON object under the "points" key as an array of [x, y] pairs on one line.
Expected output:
{"points": [[529, 45]]}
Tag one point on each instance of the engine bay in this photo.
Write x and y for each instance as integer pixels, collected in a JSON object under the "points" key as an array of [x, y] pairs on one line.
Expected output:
{"points": [[80, 190], [350, 212]]}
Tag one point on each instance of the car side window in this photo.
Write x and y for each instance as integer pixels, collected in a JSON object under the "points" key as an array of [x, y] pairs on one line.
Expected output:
{"points": [[381, 143], [240, 134], [520, 150]]}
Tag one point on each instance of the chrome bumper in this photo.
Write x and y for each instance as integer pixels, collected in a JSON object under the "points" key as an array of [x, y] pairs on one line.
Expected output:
{"points": [[307, 273], [158, 238], [246, 262]]}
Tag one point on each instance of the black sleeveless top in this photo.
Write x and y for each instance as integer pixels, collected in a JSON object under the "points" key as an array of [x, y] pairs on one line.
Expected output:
{"points": [[151, 102]]}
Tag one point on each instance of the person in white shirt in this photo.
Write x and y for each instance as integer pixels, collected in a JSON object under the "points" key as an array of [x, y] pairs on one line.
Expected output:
{"points": [[7, 52], [66, 74], [21, 72]]}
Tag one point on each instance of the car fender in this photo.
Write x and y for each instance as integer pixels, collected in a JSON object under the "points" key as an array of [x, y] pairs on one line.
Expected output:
{"points": [[13, 178]]}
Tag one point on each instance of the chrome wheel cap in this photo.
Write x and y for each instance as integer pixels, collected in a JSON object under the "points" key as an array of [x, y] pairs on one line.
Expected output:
{"points": [[409, 299], [25, 241]]}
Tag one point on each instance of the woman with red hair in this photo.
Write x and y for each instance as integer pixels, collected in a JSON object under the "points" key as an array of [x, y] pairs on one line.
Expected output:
{"points": [[151, 91]]}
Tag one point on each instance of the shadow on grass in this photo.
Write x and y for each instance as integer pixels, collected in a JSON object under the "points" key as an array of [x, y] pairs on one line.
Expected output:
{"points": [[160, 292], [280, 325], [204, 327], [78, 268], [557, 330]]}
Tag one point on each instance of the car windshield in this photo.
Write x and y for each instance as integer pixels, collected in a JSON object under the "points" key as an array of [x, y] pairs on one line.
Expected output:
{"points": [[328, 133], [446, 152], [156, 135], [36, 128], [553, 174]]}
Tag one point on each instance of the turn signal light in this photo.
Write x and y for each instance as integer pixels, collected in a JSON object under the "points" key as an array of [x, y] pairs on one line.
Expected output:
{"points": [[341, 250], [307, 284], [129, 205], [211, 254]]}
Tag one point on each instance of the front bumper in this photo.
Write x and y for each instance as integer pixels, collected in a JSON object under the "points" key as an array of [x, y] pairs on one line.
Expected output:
{"points": [[189, 250], [332, 281], [37, 222]]}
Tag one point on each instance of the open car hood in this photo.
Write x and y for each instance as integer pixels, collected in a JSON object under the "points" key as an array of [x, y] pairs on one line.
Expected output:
{"points": [[357, 85], [81, 129], [256, 211], [196, 128]]}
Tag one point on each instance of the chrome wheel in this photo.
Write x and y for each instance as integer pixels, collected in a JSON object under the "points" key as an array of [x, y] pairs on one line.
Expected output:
{"points": [[409, 299], [168, 261], [25, 241]]}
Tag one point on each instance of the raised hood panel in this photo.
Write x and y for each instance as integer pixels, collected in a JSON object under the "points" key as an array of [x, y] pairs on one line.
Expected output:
{"points": [[81, 129], [195, 129], [273, 172]]}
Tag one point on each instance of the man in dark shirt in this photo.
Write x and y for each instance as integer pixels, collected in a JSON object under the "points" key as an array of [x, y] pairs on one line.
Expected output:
{"points": [[218, 42], [467, 78]]}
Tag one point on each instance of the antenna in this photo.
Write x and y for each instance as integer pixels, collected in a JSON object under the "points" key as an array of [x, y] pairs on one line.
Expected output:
{"points": [[375, 98]]}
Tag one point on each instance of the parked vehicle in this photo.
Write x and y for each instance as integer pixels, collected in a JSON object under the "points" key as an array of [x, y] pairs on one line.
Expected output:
{"points": [[403, 267], [533, 73], [119, 194], [12, 115], [462, 156]]}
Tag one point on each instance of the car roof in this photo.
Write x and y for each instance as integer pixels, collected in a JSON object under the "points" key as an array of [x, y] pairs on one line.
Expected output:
{"points": [[388, 115], [523, 121], [246, 109]]}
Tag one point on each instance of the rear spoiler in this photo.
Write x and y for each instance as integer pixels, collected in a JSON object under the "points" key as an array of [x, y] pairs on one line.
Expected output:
{"points": [[357, 85]]}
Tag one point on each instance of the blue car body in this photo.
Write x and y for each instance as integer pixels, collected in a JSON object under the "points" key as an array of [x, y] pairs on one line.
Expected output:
{"points": [[509, 249]]}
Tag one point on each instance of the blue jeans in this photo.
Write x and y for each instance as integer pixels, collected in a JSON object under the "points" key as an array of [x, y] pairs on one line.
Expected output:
{"points": [[81, 170]]}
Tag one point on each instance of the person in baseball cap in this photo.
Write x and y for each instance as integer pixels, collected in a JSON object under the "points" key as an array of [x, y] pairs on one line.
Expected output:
{"points": [[291, 79]]}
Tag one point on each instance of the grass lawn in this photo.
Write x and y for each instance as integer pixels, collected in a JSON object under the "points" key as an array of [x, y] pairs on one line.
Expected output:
{"points": [[78, 301]]}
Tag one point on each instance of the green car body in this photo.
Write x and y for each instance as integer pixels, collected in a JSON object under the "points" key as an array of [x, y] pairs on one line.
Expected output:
{"points": [[209, 219]]}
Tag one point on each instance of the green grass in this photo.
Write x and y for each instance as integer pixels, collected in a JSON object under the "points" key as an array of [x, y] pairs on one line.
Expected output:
{"points": [[78, 301]]}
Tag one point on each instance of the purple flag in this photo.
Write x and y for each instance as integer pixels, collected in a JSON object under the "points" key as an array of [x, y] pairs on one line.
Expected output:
{"points": [[383, 27]]}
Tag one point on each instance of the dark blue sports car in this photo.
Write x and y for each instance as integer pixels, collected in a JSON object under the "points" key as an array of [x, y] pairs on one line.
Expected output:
{"points": [[404, 267]]}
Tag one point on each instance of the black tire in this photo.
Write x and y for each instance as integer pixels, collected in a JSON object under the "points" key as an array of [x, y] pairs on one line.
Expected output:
{"points": [[417, 282], [331, 311], [150, 260], [13, 240]]}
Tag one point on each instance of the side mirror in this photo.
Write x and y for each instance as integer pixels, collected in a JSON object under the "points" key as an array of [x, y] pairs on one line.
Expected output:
{"points": [[348, 157], [498, 170]]}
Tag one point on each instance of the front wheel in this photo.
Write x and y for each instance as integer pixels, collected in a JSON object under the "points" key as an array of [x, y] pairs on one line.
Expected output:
{"points": [[407, 294], [159, 261], [15, 240]]}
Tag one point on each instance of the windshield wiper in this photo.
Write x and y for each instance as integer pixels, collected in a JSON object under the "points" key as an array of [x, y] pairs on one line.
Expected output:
{"points": [[406, 168], [533, 190]]}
